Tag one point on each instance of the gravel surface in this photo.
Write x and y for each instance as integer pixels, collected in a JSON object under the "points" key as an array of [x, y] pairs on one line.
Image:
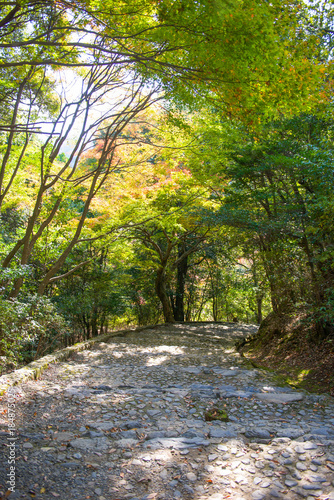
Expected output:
{"points": [[129, 419]]}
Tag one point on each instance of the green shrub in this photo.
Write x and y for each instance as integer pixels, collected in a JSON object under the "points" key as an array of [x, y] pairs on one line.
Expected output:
{"points": [[28, 330]]}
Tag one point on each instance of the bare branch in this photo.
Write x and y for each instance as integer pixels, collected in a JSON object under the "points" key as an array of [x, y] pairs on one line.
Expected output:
{"points": [[56, 278]]}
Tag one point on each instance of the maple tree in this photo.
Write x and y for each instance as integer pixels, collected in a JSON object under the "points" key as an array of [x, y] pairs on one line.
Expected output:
{"points": [[167, 220], [55, 181]]}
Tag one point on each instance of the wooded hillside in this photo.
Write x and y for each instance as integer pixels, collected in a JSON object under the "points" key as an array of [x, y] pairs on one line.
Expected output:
{"points": [[164, 161]]}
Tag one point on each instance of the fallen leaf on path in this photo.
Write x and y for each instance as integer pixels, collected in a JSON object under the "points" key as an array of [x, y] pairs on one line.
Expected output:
{"points": [[6, 495], [144, 480]]}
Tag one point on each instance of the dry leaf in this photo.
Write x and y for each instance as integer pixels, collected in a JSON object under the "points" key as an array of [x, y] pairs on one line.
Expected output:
{"points": [[6, 495], [144, 480]]}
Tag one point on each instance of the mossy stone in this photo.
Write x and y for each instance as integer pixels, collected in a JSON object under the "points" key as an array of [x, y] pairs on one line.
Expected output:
{"points": [[216, 414]]}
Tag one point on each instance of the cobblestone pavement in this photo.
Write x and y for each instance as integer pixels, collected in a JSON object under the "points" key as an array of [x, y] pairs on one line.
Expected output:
{"points": [[130, 419]]}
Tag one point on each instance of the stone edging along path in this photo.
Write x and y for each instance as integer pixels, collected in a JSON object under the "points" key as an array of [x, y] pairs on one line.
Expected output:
{"points": [[33, 370]]}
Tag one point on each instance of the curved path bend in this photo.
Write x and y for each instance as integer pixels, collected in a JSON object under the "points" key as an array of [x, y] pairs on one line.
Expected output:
{"points": [[126, 420]]}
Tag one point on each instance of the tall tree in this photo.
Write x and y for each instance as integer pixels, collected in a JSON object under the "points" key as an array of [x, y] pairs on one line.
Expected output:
{"points": [[168, 222], [278, 187], [56, 180]]}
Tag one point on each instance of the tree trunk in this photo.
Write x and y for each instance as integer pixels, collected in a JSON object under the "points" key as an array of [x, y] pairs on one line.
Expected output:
{"points": [[259, 309], [215, 308], [182, 269], [160, 289], [94, 320]]}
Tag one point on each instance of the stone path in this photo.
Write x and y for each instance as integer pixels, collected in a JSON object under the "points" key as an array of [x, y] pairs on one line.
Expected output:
{"points": [[125, 420]]}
